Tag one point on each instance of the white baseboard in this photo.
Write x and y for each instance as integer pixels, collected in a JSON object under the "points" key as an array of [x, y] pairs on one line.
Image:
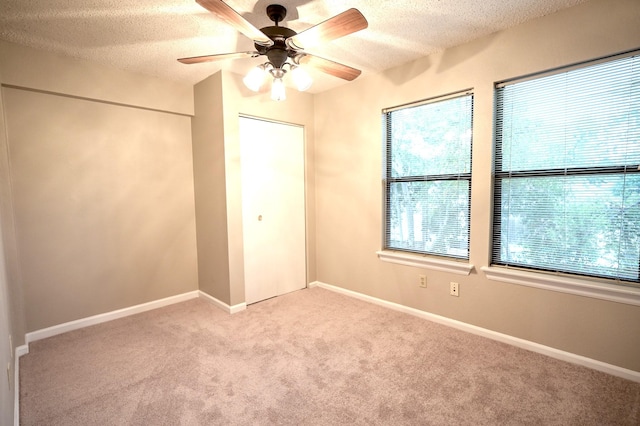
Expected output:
{"points": [[504, 338], [108, 316], [220, 304], [22, 350], [121, 313]]}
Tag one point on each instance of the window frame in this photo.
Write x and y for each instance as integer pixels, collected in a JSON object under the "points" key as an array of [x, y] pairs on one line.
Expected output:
{"points": [[590, 285], [388, 253]]}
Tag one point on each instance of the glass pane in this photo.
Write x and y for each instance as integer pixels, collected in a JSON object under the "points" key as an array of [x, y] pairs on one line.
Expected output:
{"points": [[582, 224], [429, 217], [431, 139], [588, 117]]}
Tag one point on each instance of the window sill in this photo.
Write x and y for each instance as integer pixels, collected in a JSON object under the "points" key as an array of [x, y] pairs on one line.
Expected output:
{"points": [[461, 268], [580, 287]]}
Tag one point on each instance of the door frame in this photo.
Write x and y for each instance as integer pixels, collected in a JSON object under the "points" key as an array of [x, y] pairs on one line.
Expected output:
{"points": [[303, 159]]}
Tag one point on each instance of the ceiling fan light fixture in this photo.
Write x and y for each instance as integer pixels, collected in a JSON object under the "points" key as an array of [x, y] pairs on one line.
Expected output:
{"points": [[277, 90], [254, 79], [283, 46], [301, 78]]}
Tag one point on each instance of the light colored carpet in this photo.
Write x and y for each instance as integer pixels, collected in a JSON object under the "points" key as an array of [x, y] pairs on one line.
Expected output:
{"points": [[312, 357]]}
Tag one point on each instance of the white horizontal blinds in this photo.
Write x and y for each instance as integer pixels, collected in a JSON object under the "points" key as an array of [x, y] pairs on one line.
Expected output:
{"points": [[567, 176], [428, 175]]}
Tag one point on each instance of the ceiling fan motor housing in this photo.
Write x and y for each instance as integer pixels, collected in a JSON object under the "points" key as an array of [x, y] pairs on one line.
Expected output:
{"points": [[278, 52]]}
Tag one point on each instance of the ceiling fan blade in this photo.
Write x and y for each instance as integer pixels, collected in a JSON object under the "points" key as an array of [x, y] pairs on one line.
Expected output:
{"points": [[330, 67], [227, 13], [211, 58], [340, 25]]}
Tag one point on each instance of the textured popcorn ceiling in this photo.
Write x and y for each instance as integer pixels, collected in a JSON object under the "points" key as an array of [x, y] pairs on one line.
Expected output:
{"points": [[147, 36]]}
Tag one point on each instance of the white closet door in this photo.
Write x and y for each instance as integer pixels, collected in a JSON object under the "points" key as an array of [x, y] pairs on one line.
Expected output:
{"points": [[272, 163]]}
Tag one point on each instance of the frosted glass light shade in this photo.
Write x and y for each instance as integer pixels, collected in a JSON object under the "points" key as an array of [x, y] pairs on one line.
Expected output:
{"points": [[254, 79], [301, 78], [277, 90]]}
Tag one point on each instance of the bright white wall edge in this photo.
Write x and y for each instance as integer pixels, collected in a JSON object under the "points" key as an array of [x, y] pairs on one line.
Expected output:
{"points": [[504, 338]]}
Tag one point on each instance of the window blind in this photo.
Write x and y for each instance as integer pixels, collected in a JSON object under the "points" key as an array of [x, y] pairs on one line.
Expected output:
{"points": [[428, 176], [567, 172]]}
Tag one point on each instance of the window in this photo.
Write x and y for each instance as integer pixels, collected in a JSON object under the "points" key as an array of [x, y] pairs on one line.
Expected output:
{"points": [[428, 176], [567, 172]]}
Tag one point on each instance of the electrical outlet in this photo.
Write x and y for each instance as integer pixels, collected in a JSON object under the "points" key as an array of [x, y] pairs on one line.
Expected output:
{"points": [[423, 281], [453, 289]]}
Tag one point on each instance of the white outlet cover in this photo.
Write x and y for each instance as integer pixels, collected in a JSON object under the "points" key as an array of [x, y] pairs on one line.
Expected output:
{"points": [[454, 289]]}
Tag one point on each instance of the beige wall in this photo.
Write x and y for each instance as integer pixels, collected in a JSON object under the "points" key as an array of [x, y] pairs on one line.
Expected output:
{"points": [[104, 178], [39, 70], [6, 352], [297, 109], [220, 100], [7, 330], [102, 183], [210, 189], [12, 313], [349, 193]]}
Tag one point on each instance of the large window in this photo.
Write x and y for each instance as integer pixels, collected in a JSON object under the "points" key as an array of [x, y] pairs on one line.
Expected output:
{"points": [[567, 171], [428, 176]]}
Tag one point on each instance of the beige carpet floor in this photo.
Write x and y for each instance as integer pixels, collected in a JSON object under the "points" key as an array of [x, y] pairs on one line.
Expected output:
{"points": [[312, 357]]}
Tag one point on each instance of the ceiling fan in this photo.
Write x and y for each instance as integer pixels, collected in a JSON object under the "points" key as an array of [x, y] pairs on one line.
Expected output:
{"points": [[283, 47]]}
